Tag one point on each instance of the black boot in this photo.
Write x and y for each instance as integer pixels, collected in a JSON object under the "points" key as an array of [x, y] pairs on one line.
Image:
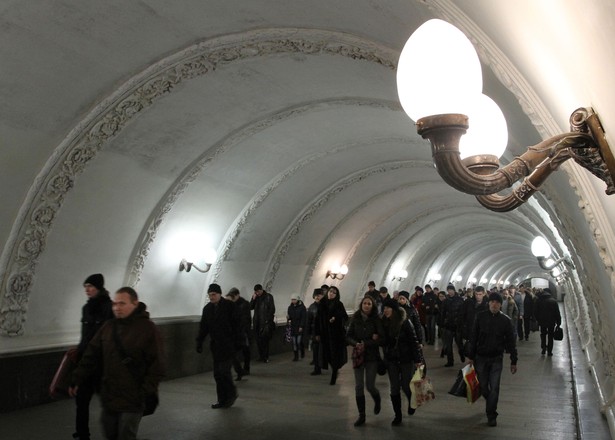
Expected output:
{"points": [[333, 377], [396, 401], [302, 351], [296, 358], [361, 407], [377, 402]]}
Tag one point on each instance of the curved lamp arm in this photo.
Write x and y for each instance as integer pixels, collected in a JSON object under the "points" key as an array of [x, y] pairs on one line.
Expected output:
{"points": [[482, 177], [187, 266]]}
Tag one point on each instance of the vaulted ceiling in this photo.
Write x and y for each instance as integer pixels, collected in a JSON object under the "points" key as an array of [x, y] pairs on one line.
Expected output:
{"points": [[271, 131]]}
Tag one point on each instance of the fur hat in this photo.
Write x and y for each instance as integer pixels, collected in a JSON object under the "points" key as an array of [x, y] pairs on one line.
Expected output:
{"points": [[96, 280], [405, 294]]}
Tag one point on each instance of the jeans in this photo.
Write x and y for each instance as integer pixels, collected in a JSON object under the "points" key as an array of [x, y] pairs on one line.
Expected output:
{"points": [[489, 372], [297, 342], [365, 377], [225, 388], [120, 425]]}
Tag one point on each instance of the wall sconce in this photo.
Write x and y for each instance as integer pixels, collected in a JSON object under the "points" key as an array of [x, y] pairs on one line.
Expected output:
{"points": [[400, 275], [337, 272], [210, 257], [434, 277], [443, 91], [542, 251]]}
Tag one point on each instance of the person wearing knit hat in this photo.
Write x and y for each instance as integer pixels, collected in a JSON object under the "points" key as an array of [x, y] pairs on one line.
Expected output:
{"points": [[94, 313], [492, 335], [222, 323], [401, 351]]}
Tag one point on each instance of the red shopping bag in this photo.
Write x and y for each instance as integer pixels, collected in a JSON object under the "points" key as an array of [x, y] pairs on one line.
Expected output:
{"points": [[472, 385], [61, 380]]}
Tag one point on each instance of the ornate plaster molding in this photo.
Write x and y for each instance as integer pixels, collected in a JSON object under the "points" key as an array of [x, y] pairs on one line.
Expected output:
{"points": [[46, 196]]}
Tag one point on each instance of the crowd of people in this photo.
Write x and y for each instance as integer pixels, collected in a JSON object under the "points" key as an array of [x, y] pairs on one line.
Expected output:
{"points": [[387, 333]]}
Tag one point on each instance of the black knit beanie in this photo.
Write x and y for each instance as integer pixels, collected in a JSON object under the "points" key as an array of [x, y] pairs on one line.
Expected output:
{"points": [[96, 280]]}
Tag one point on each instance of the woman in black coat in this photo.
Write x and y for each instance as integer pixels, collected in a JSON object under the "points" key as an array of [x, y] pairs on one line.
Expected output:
{"points": [[296, 316], [331, 331], [365, 334], [401, 353]]}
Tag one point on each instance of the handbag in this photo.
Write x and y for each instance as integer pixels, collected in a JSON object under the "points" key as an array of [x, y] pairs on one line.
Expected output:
{"points": [[421, 388], [472, 385], [62, 378], [459, 388], [151, 401], [558, 333], [288, 333], [358, 355]]}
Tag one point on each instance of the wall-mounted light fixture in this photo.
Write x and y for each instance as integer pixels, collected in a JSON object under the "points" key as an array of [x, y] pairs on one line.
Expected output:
{"points": [[337, 272], [442, 93], [210, 257], [472, 281], [433, 277], [542, 251], [400, 275]]}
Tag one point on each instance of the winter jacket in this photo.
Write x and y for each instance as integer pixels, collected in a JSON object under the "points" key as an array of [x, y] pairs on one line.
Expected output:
{"points": [[546, 311], [469, 311], [362, 328], [121, 391], [94, 313], [297, 315], [414, 319], [222, 322], [263, 321], [492, 334], [312, 319], [451, 312], [430, 301], [401, 344], [245, 317], [332, 334]]}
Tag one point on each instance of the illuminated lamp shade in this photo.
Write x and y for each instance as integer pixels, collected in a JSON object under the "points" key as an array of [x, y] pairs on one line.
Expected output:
{"points": [[343, 269], [210, 256], [488, 132], [540, 247], [438, 71]]}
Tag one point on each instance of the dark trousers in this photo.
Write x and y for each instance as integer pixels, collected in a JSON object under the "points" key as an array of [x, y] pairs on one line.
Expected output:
{"points": [[316, 355], [262, 343], [244, 353], [546, 337], [489, 372], [447, 341], [225, 388], [399, 378], [120, 425], [430, 332], [523, 328], [82, 418]]}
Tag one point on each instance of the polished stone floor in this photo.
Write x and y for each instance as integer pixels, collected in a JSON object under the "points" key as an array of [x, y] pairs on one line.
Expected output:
{"points": [[280, 400]]}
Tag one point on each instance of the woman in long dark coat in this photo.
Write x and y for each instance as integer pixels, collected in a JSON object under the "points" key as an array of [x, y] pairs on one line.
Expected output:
{"points": [[401, 352], [331, 330]]}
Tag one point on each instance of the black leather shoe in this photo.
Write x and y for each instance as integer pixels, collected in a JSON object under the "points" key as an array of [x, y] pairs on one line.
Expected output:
{"points": [[217, 405], [492, 422], [449, 364], [231, 401]]}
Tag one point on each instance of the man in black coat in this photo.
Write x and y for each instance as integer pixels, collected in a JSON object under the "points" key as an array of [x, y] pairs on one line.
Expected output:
{"points": [[222, 322], [312, 321], [263, 322], [547, 314], [491, 335], [94, 313], [452, 322], [243, 308]]}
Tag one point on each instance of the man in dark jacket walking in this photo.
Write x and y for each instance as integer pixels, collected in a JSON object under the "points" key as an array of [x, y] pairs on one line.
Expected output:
{"points": [[221, 321], [548, 316], [130, 352], [491, 335], [312, 321], [471, 308], [263, 322], [452, 323], [430, 301], [94, 313], [243, 308]]}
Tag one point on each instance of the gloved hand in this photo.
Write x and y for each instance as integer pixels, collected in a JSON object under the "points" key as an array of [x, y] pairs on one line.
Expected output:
{"points": [[199, 347]]}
